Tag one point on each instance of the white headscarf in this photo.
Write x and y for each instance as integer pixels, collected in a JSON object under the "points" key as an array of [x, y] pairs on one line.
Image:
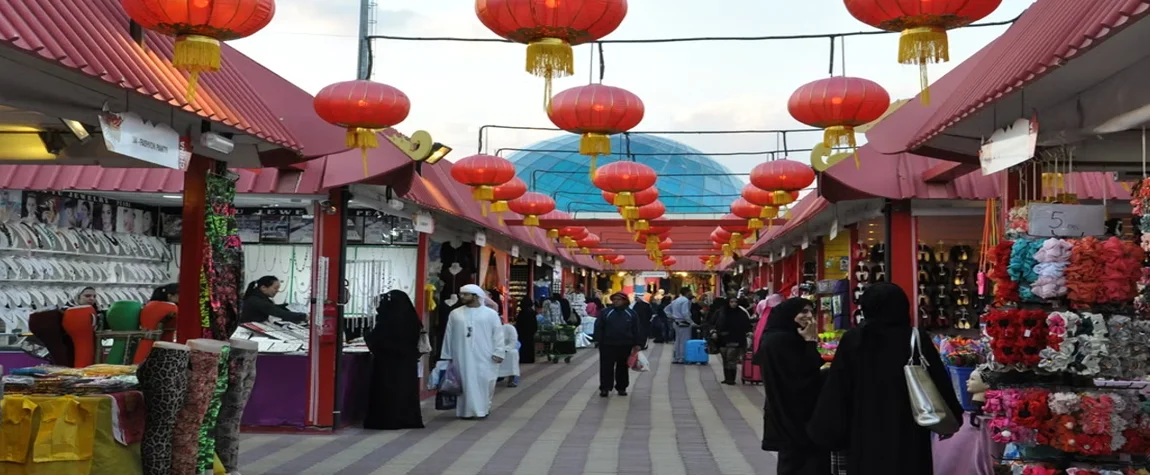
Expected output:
{"points": [[473, 290]]}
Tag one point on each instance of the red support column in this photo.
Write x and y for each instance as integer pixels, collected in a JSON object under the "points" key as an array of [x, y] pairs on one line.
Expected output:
{"points": [[188, 324], [324, 349], [902, 249], [421, 263]]}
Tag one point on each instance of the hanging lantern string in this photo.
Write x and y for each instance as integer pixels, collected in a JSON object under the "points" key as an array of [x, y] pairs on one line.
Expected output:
{"points": [[370, 38], [484, 135]]}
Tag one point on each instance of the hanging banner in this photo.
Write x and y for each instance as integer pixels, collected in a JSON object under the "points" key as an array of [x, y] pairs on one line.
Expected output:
{"points": [[1010, 146], [127, 134]]}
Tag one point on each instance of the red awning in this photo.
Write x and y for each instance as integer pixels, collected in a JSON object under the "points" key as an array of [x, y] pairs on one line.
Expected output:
{"points": [[1047, 35], [437, 190], [805, 209], [91, 36], [900, 176], [307, 178]]}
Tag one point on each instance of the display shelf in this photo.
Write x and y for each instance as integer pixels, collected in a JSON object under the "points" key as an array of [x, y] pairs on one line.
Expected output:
{"points": [[81, 255], [81, 282]]}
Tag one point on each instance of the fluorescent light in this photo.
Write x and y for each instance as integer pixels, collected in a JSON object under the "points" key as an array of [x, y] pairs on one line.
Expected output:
{"points": [[174, 197], [77, 129]]}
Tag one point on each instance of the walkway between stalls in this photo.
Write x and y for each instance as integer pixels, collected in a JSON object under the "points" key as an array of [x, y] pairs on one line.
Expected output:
{"points": [[677, 420]]}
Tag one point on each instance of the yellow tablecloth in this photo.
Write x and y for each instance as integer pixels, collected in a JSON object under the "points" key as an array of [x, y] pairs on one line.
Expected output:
{"points": [[85, 437]]}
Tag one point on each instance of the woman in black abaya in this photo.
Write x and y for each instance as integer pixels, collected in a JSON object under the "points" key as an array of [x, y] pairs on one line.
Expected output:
{"points": [[864, 405], [393, 400], [790, 360], [526, 325]]}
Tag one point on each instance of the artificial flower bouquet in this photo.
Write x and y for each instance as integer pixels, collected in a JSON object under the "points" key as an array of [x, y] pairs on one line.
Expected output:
{"points": [[1098, 422], [962, 352]]}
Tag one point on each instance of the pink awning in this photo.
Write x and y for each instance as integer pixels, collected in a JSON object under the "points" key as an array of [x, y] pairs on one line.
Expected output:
{"points": [[306, 178], [900, 176], [805, 209]]}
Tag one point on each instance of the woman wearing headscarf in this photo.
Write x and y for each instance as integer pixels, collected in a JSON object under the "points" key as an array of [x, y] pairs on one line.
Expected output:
{"points": [[732, 328], [527, 326], [865, 405], [393, 402], [791, 361], [764, 310]]}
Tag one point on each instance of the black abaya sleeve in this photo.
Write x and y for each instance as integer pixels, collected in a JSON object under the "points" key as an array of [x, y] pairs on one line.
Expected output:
{"points": [[792, 381], [830, 424]]}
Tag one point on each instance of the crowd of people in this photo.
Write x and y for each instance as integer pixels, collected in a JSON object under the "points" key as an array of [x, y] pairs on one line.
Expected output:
{"points": [[819, 418]]}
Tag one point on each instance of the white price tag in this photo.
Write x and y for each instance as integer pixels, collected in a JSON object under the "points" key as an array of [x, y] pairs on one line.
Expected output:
{"points": [[1059, 220], [806, 241], [424, 223], [514, 250], [480, 238], [834, 229]]}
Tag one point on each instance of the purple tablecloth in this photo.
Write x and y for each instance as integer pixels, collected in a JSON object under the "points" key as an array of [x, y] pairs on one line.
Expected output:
{"points": [[279, 398]]}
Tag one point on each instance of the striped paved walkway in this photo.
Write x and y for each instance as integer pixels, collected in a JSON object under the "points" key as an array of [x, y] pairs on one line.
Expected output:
{"points": [[678, 420]]}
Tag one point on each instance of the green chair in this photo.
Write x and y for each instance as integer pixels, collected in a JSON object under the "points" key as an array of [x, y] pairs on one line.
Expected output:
{"points": [[123, 316]]}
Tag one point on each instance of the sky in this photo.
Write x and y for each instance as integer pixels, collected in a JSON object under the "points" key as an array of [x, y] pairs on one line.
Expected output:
{"points": [[455, 88]]}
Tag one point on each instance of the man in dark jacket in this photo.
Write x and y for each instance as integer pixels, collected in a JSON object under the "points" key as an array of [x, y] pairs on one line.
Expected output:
{"points": [[619, 334], [646, 313]]}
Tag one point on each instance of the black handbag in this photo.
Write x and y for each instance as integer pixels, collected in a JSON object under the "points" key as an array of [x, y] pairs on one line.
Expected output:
{"points": [[445, 402]]}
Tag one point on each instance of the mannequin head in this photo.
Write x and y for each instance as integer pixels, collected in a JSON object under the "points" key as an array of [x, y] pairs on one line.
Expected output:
{"points": [[976, 386]]}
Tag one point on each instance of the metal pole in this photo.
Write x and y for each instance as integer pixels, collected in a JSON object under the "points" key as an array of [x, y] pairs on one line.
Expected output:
{"points": [[364, 31]]}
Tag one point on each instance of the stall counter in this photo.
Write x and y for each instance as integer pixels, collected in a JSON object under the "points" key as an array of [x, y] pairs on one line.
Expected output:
{"points": [[279, 398]]}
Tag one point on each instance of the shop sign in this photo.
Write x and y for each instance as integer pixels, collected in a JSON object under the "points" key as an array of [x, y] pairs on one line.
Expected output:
{"points": [[834, 229], [424, 223], [654, 275], [127, 134], [480, 238], [1010, 146], [514, 250], [1059, 220], [806, 241]]}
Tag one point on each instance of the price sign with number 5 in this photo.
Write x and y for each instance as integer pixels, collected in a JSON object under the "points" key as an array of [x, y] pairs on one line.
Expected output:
{"points": [[1061, 220]]}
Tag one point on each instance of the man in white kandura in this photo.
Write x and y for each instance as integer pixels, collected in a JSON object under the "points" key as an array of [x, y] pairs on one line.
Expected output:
{"points": [[474, 341]]}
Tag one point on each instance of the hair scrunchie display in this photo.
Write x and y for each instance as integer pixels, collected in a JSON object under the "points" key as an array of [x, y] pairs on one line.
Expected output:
{"points": [[1052, 258], [1084, 274], [1021, 266], [1121, 269], [1005, 290]]}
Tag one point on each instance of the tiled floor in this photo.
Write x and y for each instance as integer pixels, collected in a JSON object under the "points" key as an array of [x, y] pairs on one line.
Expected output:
{"points": [[678, 420]]}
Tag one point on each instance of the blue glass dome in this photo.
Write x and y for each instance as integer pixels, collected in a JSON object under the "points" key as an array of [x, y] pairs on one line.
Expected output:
{"points": [[691, 183]]}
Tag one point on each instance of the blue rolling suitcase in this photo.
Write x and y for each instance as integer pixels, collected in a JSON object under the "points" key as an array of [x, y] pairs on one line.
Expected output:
{"points": [[697, 352]]}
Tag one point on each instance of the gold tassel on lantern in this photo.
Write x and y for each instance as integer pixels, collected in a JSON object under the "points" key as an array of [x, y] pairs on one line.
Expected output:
{"points": [[551, 233], [550, 58], [781, 197], [500, 207], [630, 213], [839, 136], [736, 239], [482, 193], [642, 225], [923, 46], [727, 250], [483, 208], [624, 199], [594, 145], [532, 220], [196, 54], [363, 139], [754, 224]]}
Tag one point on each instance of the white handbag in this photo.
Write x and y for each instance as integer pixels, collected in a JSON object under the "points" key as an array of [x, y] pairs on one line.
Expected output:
{"points": [[926, 403]]}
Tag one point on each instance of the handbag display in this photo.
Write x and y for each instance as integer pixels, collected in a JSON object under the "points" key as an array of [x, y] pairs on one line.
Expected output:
{"points": [[926, 403]]}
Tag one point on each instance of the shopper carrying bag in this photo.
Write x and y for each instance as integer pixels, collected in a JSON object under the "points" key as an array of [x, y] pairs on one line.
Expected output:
{"points": [[926, 403]]}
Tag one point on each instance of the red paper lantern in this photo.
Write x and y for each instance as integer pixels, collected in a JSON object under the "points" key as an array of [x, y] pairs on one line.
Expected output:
{"points": [[644, 197], [506, 192], [751, 212], [483, 173], [766, 199], [199, 26], [782, 177], [363, 108], [923, 25], [550, 28], [720, 236], [617, 260], [624, 179], [596, 112], [666, 244], [588, 242], [649, 213], [532, 205], [669, 261], [553, 232], [839, 104]]}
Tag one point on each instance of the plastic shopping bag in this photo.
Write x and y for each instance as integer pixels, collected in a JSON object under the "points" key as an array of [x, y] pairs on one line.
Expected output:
{"points": [[436, 375], [445, 402], [451, 382], [638, 362]]}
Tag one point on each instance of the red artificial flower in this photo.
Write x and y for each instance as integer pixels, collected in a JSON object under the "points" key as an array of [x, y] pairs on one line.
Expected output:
{"points": [[1033, 411]]}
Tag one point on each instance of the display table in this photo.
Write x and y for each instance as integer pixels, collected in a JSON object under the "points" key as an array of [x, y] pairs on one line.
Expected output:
{"points": [[104, 456], [279, 398]]}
